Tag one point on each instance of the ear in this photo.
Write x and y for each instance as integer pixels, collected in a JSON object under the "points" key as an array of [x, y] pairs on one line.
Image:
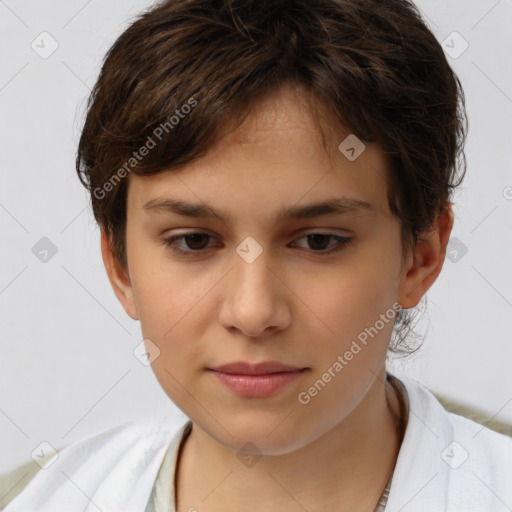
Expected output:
{"points": [[119, 277], [427, 260]]}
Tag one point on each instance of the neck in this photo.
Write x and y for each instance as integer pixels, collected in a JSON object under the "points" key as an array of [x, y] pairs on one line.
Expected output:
{"points": [[346, 469]]}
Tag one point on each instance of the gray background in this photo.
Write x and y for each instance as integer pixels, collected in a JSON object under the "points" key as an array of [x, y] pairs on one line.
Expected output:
{"points": [[67, 368]]}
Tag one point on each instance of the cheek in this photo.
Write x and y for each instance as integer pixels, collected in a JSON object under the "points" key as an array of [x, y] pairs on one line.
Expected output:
{"points": [[347, 299], [166, 293], [174, 306], [357, 317], [175, 319]]}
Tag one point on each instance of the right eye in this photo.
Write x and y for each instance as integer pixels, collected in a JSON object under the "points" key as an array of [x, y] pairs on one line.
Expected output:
{"points": [[195, 240]]}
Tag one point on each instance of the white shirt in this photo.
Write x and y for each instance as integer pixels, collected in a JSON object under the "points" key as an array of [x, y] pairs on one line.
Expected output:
{"points": [[446, 463]]}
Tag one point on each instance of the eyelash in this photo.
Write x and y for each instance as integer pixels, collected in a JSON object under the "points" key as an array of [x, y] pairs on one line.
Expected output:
{"points": [[170, 243]]}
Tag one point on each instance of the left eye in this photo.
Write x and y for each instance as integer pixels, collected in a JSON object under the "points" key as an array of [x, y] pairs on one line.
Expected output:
{"points": [[195, 245], [315, 239]]}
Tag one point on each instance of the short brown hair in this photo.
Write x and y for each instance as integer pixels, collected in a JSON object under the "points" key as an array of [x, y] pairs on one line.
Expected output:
{"points": [[374, 63]]}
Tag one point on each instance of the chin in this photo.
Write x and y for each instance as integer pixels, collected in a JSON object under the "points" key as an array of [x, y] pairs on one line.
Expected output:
{"points": [[260, 436]]}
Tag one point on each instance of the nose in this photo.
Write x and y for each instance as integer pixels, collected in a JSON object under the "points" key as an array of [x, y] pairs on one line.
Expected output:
{"points": [[255, 298]]}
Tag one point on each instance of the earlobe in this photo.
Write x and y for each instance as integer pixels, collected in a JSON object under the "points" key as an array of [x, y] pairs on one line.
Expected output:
{"points": [[427, 261], [118, 277]]}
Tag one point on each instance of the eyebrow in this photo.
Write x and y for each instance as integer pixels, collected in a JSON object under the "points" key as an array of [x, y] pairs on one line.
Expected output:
{"points": [[336, 206]]}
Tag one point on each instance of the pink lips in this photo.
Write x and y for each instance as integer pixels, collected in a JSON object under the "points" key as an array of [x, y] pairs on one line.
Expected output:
{"points": [[256, 380]]}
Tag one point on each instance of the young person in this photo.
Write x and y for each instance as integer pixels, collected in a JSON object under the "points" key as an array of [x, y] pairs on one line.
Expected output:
{"points": [[273, 185]]}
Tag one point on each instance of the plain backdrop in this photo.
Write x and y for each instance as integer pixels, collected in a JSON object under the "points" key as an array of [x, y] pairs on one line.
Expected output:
{"points": [[67, 368]]}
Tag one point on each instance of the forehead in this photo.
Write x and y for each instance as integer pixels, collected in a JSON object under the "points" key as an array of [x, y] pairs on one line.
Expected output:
{"points": [[284, 153]]}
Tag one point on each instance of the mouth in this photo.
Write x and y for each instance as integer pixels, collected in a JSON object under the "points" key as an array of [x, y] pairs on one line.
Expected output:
{"points": [[263, 368], [256, 381]]}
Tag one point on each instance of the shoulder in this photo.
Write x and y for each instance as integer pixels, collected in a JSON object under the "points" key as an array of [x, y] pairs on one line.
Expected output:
{"points": [[102, 468], [445, 420], [449, 462], [464, 419]]}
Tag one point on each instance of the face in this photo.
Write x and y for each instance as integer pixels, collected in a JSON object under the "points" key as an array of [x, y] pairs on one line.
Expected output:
{"points": [[255, 286]]}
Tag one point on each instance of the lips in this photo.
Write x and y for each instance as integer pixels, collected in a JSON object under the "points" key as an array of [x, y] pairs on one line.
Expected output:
{"points": [[261, 380], [263, 368]]}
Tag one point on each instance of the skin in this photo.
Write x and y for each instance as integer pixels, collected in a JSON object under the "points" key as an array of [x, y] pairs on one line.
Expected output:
{"points": [[291, 304]]}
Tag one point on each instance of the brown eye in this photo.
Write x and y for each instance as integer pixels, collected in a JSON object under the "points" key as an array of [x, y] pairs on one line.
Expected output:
{"points": [[319, 242], [195, 242]]}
